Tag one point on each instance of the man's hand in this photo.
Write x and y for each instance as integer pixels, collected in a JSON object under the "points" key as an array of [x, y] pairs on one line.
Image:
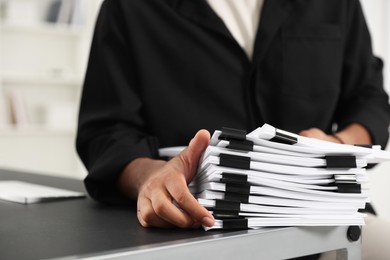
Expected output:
{"points": [[352, 134], [319, 134], [158, 185]]}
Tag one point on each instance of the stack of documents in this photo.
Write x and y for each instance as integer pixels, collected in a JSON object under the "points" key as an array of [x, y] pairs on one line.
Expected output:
{"points": [[271, 177]]}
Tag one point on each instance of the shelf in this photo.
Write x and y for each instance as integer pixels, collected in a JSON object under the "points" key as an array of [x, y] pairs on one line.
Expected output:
{"points": [[11, 131], [42, 67], [54, 78], [50, 29]]}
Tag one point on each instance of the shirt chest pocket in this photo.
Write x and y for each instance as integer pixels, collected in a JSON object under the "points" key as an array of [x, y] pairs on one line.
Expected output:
{"points": [[312, 61]]}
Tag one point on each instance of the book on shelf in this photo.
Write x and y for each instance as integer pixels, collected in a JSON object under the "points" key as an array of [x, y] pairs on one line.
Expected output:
{"points": [[5, 113], [271, 177], [18, 109], [71, 12], [53, 11]]}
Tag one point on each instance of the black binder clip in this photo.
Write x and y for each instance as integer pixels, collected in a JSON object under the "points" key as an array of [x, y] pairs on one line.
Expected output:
{"points": [[227, 205], [242, 145], [226, 214], [234, 178], [349, 187], [237, 139], [234, 161], [232, 134], [242, 198], [284, 137], [238, 188], [235, 224], [340, 161]]}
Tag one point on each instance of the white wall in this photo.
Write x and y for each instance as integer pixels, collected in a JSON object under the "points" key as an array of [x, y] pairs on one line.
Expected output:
{"points": [[377, 14]]}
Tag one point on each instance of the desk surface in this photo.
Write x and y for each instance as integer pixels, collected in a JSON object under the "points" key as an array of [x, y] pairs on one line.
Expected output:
{"points": [[82, 228]]}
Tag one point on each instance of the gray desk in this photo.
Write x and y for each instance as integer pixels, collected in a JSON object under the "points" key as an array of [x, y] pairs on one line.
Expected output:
{"points": [[82, 228]]}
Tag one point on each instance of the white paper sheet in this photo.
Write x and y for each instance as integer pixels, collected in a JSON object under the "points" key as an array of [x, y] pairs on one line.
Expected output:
{"points": [[27, 193]]}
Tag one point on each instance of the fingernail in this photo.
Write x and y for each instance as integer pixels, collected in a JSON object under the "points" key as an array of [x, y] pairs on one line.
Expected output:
{"points": [[209, 222]]}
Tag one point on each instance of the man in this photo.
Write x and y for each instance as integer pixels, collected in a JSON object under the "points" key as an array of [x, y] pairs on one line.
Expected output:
{"points": [[160, 70]]}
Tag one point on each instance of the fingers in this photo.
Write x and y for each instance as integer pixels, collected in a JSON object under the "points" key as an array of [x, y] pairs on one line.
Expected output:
{"points": [[190, 157], [189, 204], [147, 217], [168, 184], [159, 210], [162, 213], [198, 144]]}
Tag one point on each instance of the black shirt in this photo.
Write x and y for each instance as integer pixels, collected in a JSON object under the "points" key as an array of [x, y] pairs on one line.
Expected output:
{"points": [[160, 70]]}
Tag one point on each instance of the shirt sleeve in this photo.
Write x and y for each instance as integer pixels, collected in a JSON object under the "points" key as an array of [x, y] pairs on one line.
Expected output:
{"points": [[363, 99], [111, 130]]}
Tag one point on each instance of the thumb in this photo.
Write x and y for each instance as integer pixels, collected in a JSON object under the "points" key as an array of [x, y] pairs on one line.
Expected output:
{"points": [[190, 156]]}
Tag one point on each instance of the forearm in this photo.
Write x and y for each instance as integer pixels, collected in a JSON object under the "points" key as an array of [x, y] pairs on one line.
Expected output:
{"points": [[156, 184], [136, 173], [353, 134]]}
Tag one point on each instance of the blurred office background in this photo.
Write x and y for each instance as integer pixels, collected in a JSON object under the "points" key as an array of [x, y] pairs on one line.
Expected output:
{"points": [[44, 46]]}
